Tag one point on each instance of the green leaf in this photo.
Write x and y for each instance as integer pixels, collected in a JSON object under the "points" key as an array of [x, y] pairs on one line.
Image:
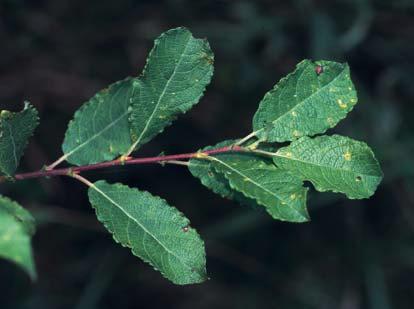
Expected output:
{"points": [[15, 130], [207, 172], [16, 229], [312, 99], [100, 129], [280, 192], [177, 72], [178, 69], [333, 163], [156, 232], [209, 177]]}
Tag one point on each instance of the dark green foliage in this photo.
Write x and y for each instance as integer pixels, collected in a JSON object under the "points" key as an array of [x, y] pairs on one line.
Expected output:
{"points": [[333, 163], [15, 130], [100, 130], [312, 99], [129, 113], [155, 231], [177, 72]]}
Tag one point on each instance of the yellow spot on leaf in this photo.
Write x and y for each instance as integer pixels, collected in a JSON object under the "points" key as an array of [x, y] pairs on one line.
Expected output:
{"points": [[347, 156], [294, 114], [296, 133], [292, 196], [282, 153], [342, 104], [330, 120]]}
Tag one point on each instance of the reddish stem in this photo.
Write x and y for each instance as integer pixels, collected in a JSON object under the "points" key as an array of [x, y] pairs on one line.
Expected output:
{"points": [[68, 171]]}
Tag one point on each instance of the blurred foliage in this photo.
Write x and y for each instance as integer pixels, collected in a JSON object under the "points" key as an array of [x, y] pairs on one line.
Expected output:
{"points": [[354, 254]]}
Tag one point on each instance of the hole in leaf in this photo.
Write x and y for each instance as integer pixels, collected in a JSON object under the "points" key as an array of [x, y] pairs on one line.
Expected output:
{"points": [[358, 178]]}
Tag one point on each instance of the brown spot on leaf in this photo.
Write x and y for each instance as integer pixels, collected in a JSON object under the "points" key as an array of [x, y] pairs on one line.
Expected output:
{"points": [[319, 69]]}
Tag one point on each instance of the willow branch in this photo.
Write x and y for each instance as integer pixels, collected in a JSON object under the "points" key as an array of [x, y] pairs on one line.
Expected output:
{"points": [[70, 171]]}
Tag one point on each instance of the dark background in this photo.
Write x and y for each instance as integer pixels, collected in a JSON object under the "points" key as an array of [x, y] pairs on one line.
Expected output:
{"points": [[353, 254]]}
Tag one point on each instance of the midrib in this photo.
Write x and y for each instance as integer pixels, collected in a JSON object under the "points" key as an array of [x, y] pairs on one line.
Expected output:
{"points": [[96, 135], [140, 225], [252, 181], [321, 166], [161, 96], [13, 144], [304, 100]]}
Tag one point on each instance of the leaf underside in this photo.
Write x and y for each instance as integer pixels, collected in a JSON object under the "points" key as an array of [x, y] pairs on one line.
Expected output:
{"points": [[253, 180], [333, 163], [281, 193], [15, 131], [305, 102], [16, 230], [154, 231], [215, 181], [177, 72]]}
